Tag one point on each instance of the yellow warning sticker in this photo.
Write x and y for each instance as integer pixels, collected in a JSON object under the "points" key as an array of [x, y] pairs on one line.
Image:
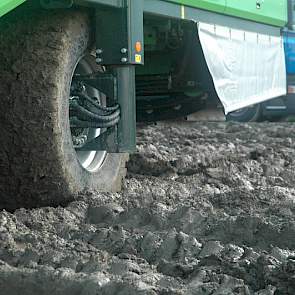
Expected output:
{"points": [[138, 58]]}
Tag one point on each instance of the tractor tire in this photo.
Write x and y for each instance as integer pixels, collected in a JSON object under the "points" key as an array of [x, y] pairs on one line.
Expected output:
{"points": [[248, 114], [39, 53]]}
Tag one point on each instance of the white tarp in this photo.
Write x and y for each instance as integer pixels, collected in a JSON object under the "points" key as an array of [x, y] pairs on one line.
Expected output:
{"points": [[247, 68]]}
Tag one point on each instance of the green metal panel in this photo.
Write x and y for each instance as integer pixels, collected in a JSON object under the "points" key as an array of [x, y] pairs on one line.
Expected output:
{"points": [[8, 5], [212, 5], [271, 11]]}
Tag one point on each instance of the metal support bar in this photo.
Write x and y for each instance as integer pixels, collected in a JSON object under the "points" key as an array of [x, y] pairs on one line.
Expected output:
{"points": [[127, 102], [291, 4]]}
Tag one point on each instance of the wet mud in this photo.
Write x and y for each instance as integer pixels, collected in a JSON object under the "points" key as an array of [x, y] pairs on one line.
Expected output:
{"points": [[207, 208]]}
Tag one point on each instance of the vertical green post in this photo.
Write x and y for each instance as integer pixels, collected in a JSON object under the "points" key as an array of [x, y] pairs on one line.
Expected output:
{"points": [[122, 52], [127, 101]]}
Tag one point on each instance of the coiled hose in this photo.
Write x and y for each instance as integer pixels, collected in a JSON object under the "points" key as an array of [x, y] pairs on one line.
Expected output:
{"points": [[92, 115]]}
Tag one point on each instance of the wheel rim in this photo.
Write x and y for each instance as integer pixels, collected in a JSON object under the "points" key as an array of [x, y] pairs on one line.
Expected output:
{"points": [[89, 160]]}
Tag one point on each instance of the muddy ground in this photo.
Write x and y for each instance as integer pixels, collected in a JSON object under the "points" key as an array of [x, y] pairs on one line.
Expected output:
{"points": [[206, 209]]}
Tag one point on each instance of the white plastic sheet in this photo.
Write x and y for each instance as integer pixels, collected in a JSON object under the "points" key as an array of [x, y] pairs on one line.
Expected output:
{"points": [[247, 68]]}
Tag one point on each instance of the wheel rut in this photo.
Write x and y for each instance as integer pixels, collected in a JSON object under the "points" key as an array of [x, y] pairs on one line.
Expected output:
{"points": [[207, 208]]}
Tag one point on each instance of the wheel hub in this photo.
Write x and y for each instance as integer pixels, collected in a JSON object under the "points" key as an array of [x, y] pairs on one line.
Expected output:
{"points": [[89, 160]]}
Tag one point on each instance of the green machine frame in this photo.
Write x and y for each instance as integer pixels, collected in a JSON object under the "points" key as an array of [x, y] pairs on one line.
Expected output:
{"points": [[120, 53], [272, 12], [126, 19]]}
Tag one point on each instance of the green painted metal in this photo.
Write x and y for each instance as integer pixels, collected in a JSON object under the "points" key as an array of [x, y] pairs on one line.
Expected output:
{"points": [[8, 5], [127, 102], [212, 5], [273, 12], [127, 23]]}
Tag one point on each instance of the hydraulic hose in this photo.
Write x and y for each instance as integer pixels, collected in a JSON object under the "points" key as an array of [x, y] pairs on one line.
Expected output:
{"points": [[86, 114], [96, 105], [76, 123]]}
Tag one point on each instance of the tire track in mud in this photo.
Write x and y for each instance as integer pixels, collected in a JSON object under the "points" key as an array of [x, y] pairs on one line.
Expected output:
{"points": [[206, 209]]}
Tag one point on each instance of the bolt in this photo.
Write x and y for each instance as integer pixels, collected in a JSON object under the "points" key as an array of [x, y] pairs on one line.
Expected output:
{"points": [[99, 51], [123, 50], [124, 59], [99, 60]]}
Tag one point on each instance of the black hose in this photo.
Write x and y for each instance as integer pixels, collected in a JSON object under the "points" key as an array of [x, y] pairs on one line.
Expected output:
{"points": [[85, 114], [86, 111], [94, 110], [95, 104], [76, 123]]}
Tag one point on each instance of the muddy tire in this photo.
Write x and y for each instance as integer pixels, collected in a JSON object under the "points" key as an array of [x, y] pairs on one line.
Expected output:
{"points": [[38, 163]]}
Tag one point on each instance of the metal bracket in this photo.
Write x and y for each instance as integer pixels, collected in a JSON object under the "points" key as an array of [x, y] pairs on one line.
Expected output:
{"points": [[119, 38], [121, 88], [104, 82]]}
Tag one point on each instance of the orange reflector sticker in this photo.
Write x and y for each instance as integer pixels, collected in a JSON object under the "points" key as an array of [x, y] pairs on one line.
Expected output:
{"points": [[138, 47]]}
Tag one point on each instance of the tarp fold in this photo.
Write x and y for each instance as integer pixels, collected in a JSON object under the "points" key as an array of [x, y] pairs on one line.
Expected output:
{"points": [[246, 67]]}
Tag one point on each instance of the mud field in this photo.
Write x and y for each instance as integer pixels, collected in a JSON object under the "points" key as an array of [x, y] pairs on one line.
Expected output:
{"points": [[206, 209]]}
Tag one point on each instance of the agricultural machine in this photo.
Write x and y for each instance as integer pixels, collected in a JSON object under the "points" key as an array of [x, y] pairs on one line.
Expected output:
{"points": [[77, 74]]}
